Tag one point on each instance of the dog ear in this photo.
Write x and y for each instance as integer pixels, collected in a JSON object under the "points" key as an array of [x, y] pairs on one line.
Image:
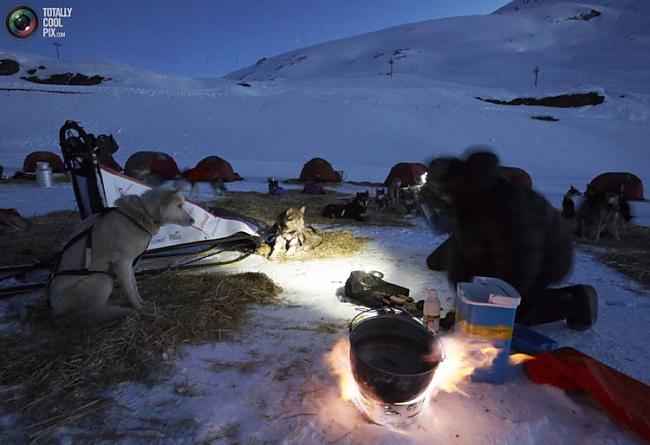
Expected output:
{"points": [[302, 209]]}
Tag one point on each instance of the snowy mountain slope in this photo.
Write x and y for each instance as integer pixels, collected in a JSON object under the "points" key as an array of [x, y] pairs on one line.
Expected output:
{"points": [[500, 49]]}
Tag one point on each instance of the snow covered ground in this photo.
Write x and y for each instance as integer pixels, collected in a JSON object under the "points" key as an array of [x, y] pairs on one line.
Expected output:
{"points": [[271, 384]]}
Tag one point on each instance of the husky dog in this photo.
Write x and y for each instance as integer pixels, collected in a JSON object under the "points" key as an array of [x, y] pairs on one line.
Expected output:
{"points": [[568, 202], [602, 211], [394, 189], [568, 213], [355, 209], [292, 234], [105, 246], [274, 187], [380, 199], [409, 200]]}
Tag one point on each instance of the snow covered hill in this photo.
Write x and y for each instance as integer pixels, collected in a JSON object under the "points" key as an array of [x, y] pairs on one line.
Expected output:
{"points": [[573, 47], [334, 99]]}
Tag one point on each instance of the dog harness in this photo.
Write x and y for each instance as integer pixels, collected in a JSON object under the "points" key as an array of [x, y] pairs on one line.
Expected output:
{"points": [[89, 245]]}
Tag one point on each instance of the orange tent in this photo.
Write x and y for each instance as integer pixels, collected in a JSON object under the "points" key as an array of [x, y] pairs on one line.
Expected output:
{"points": [[29, 166], [408, 173], [615, 181], [212, 168], [151, 163], [517, 175], [319, 170]]}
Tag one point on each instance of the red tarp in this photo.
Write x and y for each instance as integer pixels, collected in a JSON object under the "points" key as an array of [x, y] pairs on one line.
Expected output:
{"points": [[625, 398]]}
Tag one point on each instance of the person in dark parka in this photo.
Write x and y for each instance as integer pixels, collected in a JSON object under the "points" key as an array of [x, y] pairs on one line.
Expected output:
{"points": [[503, 230]]}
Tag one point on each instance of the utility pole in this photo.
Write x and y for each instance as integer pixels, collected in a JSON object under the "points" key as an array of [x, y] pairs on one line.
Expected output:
{"points": [[391, 63], [57, 45], [536, 72]]}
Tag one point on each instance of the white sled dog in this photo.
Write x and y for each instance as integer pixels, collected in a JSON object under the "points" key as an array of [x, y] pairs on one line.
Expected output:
{"points": [[104, 247]]}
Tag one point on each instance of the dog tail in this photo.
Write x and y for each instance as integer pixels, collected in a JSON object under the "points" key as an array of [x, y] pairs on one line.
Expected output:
{"points": [[91, 318]]}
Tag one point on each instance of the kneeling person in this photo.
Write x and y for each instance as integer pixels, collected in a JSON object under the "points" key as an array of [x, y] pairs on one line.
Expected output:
{"points": [[503, 230]]}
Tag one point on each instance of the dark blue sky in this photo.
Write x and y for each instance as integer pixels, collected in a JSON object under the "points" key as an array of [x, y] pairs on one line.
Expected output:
{"points": [[209, 38]]}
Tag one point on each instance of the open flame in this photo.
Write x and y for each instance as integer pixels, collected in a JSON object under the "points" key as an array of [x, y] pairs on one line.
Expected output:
{"points": [[518, 359], [462, 356], [339, 361]]}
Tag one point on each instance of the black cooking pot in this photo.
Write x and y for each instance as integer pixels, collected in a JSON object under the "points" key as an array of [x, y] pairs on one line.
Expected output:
{"points": [[393, 355]]}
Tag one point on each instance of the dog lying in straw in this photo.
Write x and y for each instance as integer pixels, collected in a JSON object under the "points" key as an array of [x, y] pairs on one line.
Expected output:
{"points": [[292, 235], [104, 247]]}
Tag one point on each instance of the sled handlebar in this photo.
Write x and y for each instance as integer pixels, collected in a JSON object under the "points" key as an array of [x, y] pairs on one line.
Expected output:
{"points": [[88, 140]]}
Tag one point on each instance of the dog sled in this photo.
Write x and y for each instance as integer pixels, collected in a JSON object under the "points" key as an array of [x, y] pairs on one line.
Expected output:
{"points": [[217, 237]]}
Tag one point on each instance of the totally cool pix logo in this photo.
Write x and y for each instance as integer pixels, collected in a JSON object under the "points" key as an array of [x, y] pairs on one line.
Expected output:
{"points": [[53, 19], [21, 21]]}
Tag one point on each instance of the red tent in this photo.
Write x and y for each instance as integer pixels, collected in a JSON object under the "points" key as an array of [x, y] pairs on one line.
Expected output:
{"points": [[319, 170], [212, 168], [615, 181], [29, 166], [408, 173], [517, 175], [145, 163]]}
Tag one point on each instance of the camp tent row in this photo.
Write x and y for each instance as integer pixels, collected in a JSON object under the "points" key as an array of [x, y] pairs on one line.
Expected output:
{"points": [[141, 162], [316, 170]]}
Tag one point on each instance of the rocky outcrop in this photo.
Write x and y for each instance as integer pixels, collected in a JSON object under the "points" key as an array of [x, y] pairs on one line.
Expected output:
{"points": [[8, 67], [67, 79], [563, 101]]}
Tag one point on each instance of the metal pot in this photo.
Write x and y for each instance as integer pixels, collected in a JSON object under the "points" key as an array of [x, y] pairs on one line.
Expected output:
{"points": [[393, 355]]}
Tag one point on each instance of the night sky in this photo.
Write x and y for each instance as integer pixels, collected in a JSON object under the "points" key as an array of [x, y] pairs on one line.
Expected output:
{"points": [[209, 38]]}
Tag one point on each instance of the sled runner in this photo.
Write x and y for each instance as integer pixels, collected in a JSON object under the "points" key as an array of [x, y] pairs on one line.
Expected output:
{"points": [[217, 237]]}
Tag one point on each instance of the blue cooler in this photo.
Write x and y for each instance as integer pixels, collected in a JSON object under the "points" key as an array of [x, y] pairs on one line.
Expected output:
{"points": [[485, 311]]}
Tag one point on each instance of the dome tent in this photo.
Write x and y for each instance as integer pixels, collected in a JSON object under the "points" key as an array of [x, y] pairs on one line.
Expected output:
{"points": [[517, 175], [143, 164], [56, 164], [212, 168], [408, 173], [615, 182], [319, 170]]}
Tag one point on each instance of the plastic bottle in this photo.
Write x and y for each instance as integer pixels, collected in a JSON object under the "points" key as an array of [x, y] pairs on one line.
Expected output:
{"points": [[431, 311]]}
